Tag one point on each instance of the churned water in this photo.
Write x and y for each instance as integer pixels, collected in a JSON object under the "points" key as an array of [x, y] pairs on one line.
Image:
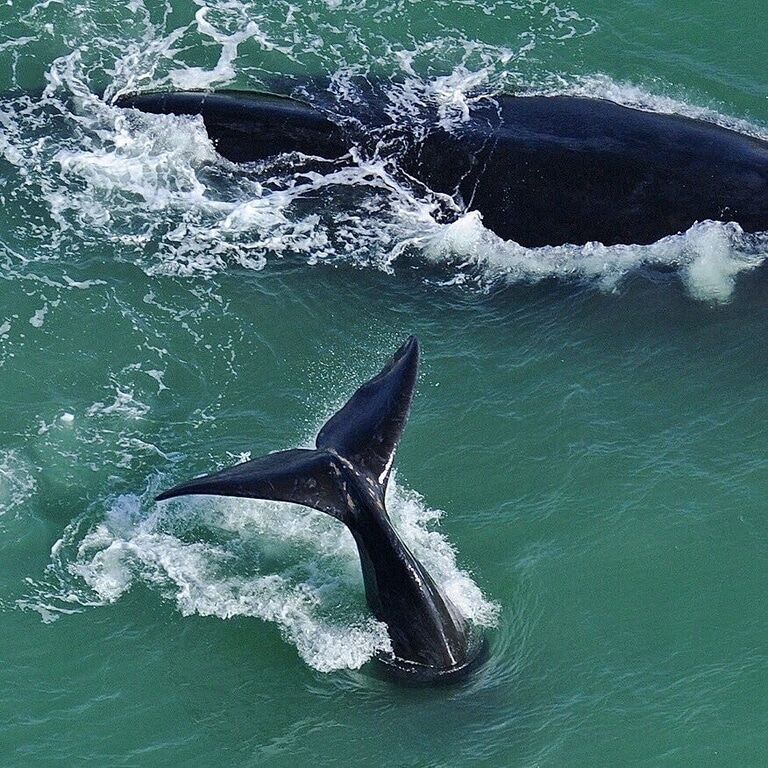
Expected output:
{"points": [[586, 466]]}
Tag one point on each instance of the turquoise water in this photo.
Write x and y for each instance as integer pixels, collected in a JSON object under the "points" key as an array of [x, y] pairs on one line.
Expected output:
{"points": [[590, 421]]}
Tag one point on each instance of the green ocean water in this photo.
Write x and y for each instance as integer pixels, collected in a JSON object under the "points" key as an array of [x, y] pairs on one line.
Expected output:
{"points": [[590, 421]]}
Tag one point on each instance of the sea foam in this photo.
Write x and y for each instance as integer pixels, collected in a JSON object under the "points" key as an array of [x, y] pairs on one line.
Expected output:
{"points": [[229, 557]]}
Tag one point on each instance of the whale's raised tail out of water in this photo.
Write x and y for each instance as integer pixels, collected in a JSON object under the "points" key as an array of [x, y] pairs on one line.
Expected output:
{"points": [[346, 476]]}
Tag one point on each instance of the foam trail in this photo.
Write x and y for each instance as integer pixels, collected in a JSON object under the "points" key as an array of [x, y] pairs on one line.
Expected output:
{"points": [[710, 255]]}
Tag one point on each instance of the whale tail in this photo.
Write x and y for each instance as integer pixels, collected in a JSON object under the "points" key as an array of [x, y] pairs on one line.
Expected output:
{"points": [[360, 438]]}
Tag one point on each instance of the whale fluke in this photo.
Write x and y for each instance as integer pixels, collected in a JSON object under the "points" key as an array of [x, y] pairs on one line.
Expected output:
{"points": [[361, 437], [300, 476], [346, 476]]}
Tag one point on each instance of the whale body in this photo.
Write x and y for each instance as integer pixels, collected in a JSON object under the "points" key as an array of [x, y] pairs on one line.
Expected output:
{"points": [[346, 476], [540, 170]]}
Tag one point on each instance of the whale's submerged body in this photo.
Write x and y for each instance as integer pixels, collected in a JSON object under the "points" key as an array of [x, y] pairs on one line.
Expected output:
{"points": [[540, 170], [346, 477]]}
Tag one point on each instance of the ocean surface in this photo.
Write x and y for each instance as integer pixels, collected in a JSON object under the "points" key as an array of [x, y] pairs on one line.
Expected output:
{"points": [[585, 471]]}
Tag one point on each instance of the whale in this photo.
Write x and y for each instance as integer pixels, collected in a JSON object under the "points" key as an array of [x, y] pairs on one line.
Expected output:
{"points": [[346, 476], [541, 170]]}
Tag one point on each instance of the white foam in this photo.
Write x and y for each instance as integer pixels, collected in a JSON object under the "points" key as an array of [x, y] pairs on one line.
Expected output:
{"points": [[715, 259], [17, 482], [155, 164], [277, 562], [125, 404], [710, 256], [416, 521], [38, 318], [199, 78]]}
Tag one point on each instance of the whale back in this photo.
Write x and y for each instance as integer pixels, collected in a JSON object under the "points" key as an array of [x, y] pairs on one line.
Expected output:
{"points": [[541, 170], [249, 126]]}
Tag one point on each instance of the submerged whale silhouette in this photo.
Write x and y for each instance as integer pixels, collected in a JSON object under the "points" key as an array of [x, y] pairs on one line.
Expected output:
{"points": [[346, 477], [540, 170]]}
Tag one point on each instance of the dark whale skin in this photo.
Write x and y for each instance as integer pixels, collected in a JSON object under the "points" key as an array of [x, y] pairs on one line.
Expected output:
{"points": [[541, 170], [346, 476]]}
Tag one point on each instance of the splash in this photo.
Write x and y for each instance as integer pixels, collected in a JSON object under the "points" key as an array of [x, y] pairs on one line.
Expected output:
{"points": [[224, 557], [709, 256]]}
